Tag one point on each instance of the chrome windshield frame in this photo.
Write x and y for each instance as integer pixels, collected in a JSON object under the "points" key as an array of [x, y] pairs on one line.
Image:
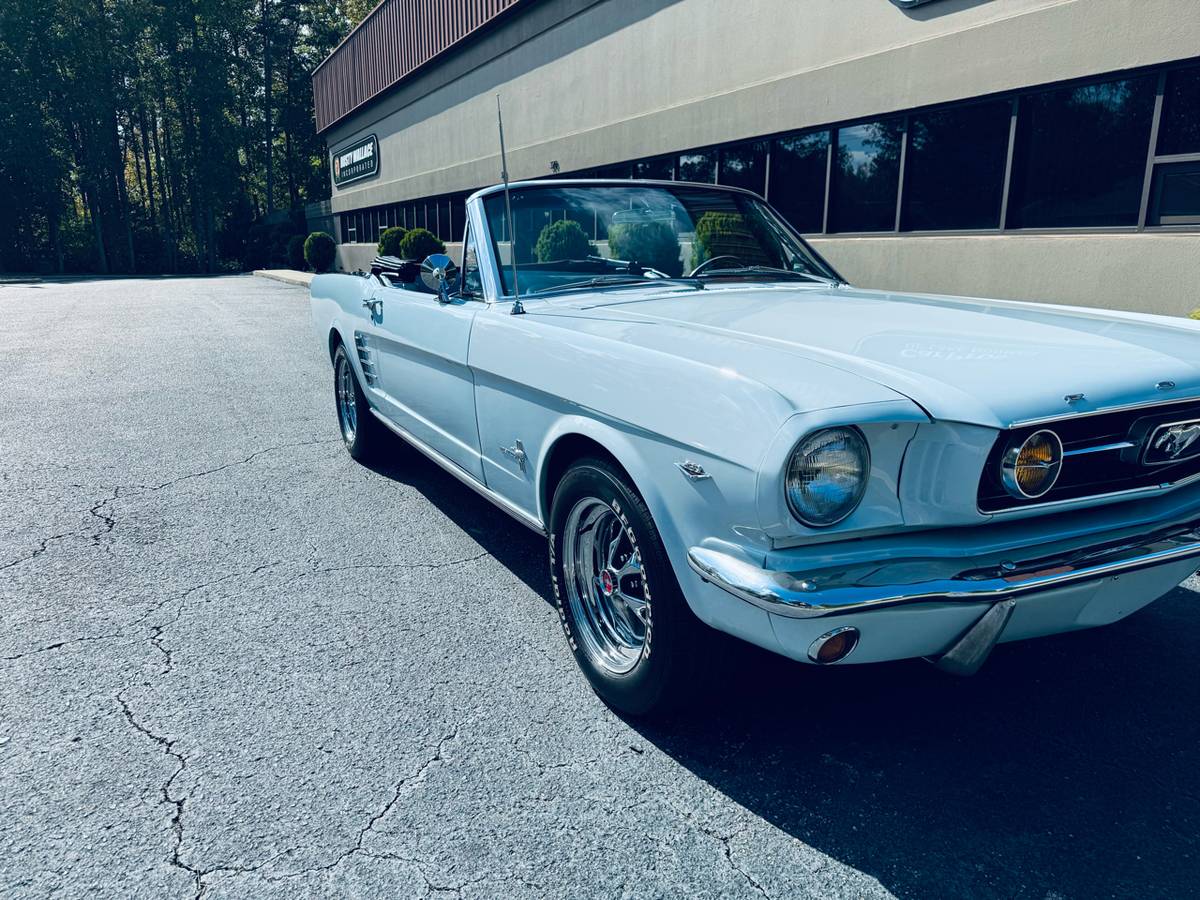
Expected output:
{"points": [[489, 250]]}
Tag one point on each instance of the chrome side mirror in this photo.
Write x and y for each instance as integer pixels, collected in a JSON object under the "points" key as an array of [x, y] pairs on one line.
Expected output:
{"points": [[440, 275]]}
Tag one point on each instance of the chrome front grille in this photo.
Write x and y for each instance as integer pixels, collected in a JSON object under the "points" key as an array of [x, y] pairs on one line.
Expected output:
{"points": [[1103, 454], [365, 359]]}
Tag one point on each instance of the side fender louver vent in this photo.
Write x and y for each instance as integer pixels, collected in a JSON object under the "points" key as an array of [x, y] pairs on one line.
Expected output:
{"points": [[364, 358]]}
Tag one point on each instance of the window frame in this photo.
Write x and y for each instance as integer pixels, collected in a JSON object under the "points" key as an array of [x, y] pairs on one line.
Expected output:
{"points": [[407, 211]]}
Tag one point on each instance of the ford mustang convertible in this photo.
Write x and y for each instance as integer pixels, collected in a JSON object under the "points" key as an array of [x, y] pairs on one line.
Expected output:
{"points": [[714, 430]]}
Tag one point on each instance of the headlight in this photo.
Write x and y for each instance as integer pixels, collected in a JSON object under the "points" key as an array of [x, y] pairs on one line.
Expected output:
{"points": [[1029, 469], [827, 476]]}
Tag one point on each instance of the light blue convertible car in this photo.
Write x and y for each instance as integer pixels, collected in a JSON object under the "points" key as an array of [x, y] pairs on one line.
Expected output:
{"points": [[714, 430]]}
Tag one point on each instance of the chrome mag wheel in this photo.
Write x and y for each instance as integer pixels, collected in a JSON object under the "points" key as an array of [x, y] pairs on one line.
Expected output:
{"points": [[343, 385], [605, 586]]}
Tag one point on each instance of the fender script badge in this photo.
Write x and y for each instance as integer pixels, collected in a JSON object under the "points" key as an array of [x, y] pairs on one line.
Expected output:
{"points": [[1172, 443]]}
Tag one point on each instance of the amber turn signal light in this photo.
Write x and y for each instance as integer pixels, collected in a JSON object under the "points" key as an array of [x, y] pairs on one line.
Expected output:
{"points": [[833, 645]]}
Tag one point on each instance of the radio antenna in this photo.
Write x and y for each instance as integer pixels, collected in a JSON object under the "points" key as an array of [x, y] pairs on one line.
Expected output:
{"points": [[517, 309]]}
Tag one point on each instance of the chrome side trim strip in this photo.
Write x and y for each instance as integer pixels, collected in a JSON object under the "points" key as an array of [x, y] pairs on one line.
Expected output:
{"points": [[481, 489], [1076, 502], [1099, 448], [810, 595]]}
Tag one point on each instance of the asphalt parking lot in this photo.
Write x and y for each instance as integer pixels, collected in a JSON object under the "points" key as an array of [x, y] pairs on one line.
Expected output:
{"points": [[235, 663]]}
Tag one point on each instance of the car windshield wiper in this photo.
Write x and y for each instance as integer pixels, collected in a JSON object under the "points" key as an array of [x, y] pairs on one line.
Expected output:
{"points": [[618, 281], [767, 271]]}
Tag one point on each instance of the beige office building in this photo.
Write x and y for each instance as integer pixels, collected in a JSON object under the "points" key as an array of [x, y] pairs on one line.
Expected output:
{"points": [[1034, 149]]}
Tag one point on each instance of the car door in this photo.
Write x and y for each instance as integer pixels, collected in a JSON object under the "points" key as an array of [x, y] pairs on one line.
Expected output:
{"points": [[424, 383]]}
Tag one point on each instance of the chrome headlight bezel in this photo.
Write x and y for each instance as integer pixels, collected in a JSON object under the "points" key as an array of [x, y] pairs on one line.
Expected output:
{"points": [[808, 445], [1011, 466]]}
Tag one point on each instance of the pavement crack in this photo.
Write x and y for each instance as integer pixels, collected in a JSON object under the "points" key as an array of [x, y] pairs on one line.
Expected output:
{"points": [[156, 631], [97, 510], [323, 570], [239, 462], [398, 792], [177, 803], [725, 840], [58, 645]]}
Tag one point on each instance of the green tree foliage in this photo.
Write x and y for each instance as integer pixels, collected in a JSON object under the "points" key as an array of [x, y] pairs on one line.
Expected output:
{"points": [[652, 244], [420, 243], [564, 239], [389, 241], [139, 136], [319, 250], [730, 234], [295, 252]]}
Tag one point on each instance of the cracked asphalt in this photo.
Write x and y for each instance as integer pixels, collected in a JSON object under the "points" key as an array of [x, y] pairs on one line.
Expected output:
{"points": [[234, 663]]}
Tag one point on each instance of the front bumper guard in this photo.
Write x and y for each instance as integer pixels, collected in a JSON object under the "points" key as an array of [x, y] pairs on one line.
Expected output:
{"points": [[842, 590]]}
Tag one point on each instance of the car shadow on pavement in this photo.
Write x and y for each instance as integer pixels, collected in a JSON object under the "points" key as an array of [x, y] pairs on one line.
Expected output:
{"points": [[518, 548], [1068, 767]]}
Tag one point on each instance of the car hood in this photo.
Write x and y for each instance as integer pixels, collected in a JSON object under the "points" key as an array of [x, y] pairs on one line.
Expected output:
{"points": [[987, 362]]}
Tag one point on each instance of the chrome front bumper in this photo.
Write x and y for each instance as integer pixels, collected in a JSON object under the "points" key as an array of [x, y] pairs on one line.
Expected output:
{"points": [[877, 584]]}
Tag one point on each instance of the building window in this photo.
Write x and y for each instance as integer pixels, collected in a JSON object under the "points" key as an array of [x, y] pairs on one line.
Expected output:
{"points": [[954, 167], [797, 190], [1179, 131], [866, 176], [744, 166], [1080, 155], [621, 170], [660, 169], [701, 167], [1175, 194]]}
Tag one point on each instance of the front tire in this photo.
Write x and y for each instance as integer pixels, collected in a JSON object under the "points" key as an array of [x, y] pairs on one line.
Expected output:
{"points": [[624, 616], [361, 431]]}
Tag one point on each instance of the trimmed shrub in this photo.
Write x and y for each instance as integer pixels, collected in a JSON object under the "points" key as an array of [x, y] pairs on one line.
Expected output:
{"points": [[652, 244], [295, 252], [564, 239], [729, 234], [389, 241], [420, 243], [319, 250]]}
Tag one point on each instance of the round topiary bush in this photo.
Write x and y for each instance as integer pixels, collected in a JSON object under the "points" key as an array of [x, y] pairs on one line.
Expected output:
{"points": [[389, 241], [319, 250], [564, 239], [295, 252], [420, 243], [729, 234], [652, 244]]}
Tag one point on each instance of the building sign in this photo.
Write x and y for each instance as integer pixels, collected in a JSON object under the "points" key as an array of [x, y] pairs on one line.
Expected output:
{"points": [[357, 161]]}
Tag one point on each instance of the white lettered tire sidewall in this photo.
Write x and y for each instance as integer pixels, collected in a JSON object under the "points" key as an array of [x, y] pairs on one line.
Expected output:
{"points": [[658, 681]]}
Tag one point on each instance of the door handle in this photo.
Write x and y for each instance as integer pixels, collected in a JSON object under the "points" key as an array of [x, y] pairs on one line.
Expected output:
{"points": [[375, 305]]}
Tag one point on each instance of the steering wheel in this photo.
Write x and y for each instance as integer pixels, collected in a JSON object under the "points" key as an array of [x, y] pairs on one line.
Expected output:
{"points": [[716, 259]]}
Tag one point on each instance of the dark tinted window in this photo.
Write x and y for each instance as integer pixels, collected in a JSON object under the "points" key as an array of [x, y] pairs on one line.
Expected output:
{"points": [[700, 167], [1080, 156], [798, 179], [866, 176], [1179, 131], [1175, 195], [954, 167], [661, 169], [621, 170], [745, 166]]}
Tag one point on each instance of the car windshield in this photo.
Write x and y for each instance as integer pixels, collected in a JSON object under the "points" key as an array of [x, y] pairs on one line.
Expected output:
{"points": [[590, 235]]}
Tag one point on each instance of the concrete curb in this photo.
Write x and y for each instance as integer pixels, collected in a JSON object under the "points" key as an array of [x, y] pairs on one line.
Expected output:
{"points": [[287, 276]]}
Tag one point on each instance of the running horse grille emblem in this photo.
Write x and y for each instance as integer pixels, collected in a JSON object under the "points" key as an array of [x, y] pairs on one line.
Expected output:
{"points": [[1173, 443]]}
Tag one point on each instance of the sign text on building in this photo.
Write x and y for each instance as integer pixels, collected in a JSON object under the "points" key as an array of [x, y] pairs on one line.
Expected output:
{"points": [[359, 160]]}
